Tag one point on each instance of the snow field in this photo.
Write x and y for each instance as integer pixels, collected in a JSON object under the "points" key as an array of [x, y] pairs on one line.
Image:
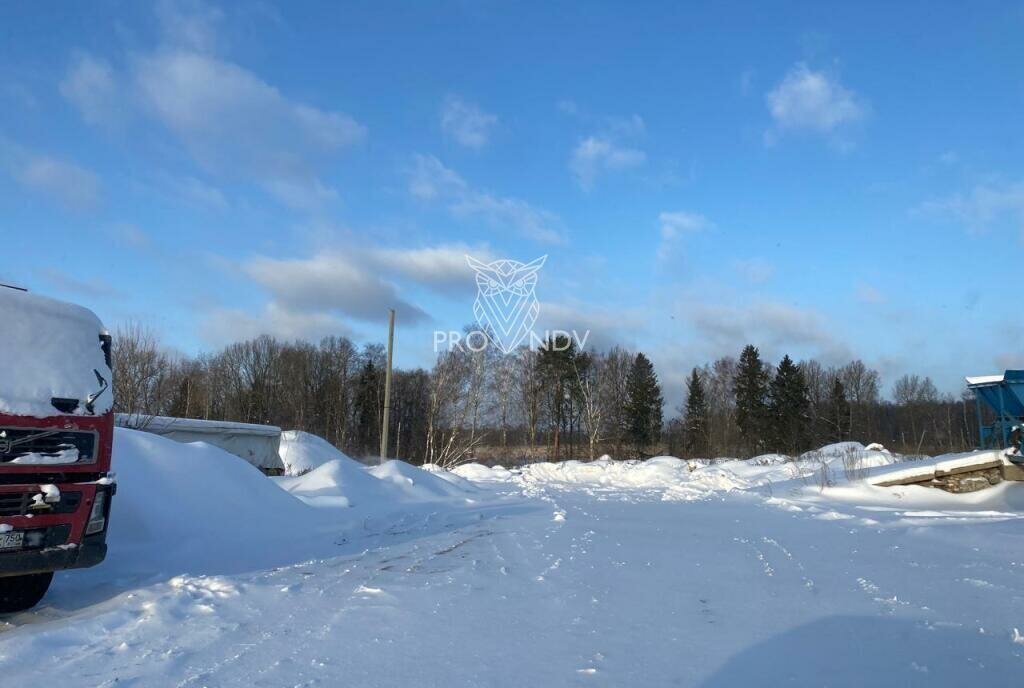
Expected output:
{"points": [[659, 572]]}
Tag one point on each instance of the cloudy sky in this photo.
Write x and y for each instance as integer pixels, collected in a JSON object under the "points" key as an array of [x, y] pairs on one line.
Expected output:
{"points": [[824, 181]]}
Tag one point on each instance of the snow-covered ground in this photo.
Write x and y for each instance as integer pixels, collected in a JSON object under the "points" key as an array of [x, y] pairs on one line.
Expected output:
{"points": [[575, 574]]}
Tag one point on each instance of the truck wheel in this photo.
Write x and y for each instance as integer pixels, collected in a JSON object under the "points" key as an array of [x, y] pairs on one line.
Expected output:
{"points": [[18, 593]]}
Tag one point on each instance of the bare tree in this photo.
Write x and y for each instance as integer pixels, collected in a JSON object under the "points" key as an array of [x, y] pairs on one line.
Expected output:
{"points": [[140, 372], [592, 379], [863, 390], [530, 388]]}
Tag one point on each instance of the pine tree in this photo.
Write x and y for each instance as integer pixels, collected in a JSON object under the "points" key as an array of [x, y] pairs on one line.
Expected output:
{"points": [[557, 364], [643, 404], [838, 417], [751, 390], [695, 418], [367, 409], [789, 409]]}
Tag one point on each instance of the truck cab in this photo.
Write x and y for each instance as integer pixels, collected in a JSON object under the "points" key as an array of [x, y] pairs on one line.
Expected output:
{"points": [[56, 435]]}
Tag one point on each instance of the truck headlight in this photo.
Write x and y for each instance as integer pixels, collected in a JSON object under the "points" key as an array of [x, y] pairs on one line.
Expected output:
{"points": [[97, 517]]}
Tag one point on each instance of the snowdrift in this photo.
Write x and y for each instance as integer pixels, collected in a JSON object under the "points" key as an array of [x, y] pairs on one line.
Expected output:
{"points": [[415, 484], [301, 452], [347, 483], [817, 482], [663, 471], [194, 508], [678, 479]]}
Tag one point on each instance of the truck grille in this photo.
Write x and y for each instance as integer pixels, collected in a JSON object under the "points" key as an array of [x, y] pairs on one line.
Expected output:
{"points": [[14, 503], [20, 503], [39, 446]]}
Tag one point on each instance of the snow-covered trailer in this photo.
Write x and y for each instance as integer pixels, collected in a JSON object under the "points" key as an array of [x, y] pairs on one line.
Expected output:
{"points": [[258, 444]]}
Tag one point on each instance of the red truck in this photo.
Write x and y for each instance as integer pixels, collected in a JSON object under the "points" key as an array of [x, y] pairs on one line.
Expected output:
{"points": [[56, 434]]}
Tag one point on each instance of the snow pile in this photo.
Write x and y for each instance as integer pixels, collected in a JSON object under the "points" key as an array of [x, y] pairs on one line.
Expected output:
{"points": [[829, 466], [666, 477], [480, 473], [347, 483], [457, 480], [662, 471], [196, 508], [301, 452], [838, 449], [339, 483], [673, 478], [49, 349], [767, 459], [414, 484]]}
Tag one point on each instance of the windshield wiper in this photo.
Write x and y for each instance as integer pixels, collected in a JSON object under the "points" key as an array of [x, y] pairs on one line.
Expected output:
{"points": [[91, 399]]}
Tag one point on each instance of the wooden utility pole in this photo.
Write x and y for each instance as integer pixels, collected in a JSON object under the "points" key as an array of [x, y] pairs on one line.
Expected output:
{"points": [[387, 389]]}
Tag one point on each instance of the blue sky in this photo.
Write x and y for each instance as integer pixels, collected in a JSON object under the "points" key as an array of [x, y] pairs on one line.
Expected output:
{"points": [[829, 181]]}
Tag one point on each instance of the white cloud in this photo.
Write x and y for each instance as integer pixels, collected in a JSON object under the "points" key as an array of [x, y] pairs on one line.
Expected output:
{"points": [[776, 328], [88, 286], [806, 100], [236, 125], [754, 270], [300, 194], [631, 126], [867, 293], [230, 121], [442, 268], [596, 155], [678, 223], [132, 235], [321, 294], [603, 327], [466, 123], [675, 226], [194, 191], [217, 107], [330, 282], [226, 325], [430, 180], [567, 106], [189, 23], [91, 87], [72, 185], [981, 207]]}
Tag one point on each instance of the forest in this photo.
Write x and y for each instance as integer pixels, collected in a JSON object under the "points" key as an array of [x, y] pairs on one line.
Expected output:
{"points": [[553, 402]]}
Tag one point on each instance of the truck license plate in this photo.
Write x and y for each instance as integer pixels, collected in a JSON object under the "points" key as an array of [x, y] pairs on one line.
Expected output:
{"points": [[11, 540]]}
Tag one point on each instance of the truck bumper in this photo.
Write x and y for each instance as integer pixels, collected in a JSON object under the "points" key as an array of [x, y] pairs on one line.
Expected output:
{"points": [[91, 551]]}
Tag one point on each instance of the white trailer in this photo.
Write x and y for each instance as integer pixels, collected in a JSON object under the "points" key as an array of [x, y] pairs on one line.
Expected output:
{"points": [[258, 444]]}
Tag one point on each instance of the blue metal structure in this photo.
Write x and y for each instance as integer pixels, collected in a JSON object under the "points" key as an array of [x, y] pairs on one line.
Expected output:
{"points": [[1004, 394]]}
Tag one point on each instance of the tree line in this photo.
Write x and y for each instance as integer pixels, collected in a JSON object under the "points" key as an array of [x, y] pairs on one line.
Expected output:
{"points": [[553, 402]]}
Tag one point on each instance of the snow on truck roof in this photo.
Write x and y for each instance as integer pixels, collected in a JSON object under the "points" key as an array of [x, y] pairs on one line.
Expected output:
{"points": [[49, 349]]}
